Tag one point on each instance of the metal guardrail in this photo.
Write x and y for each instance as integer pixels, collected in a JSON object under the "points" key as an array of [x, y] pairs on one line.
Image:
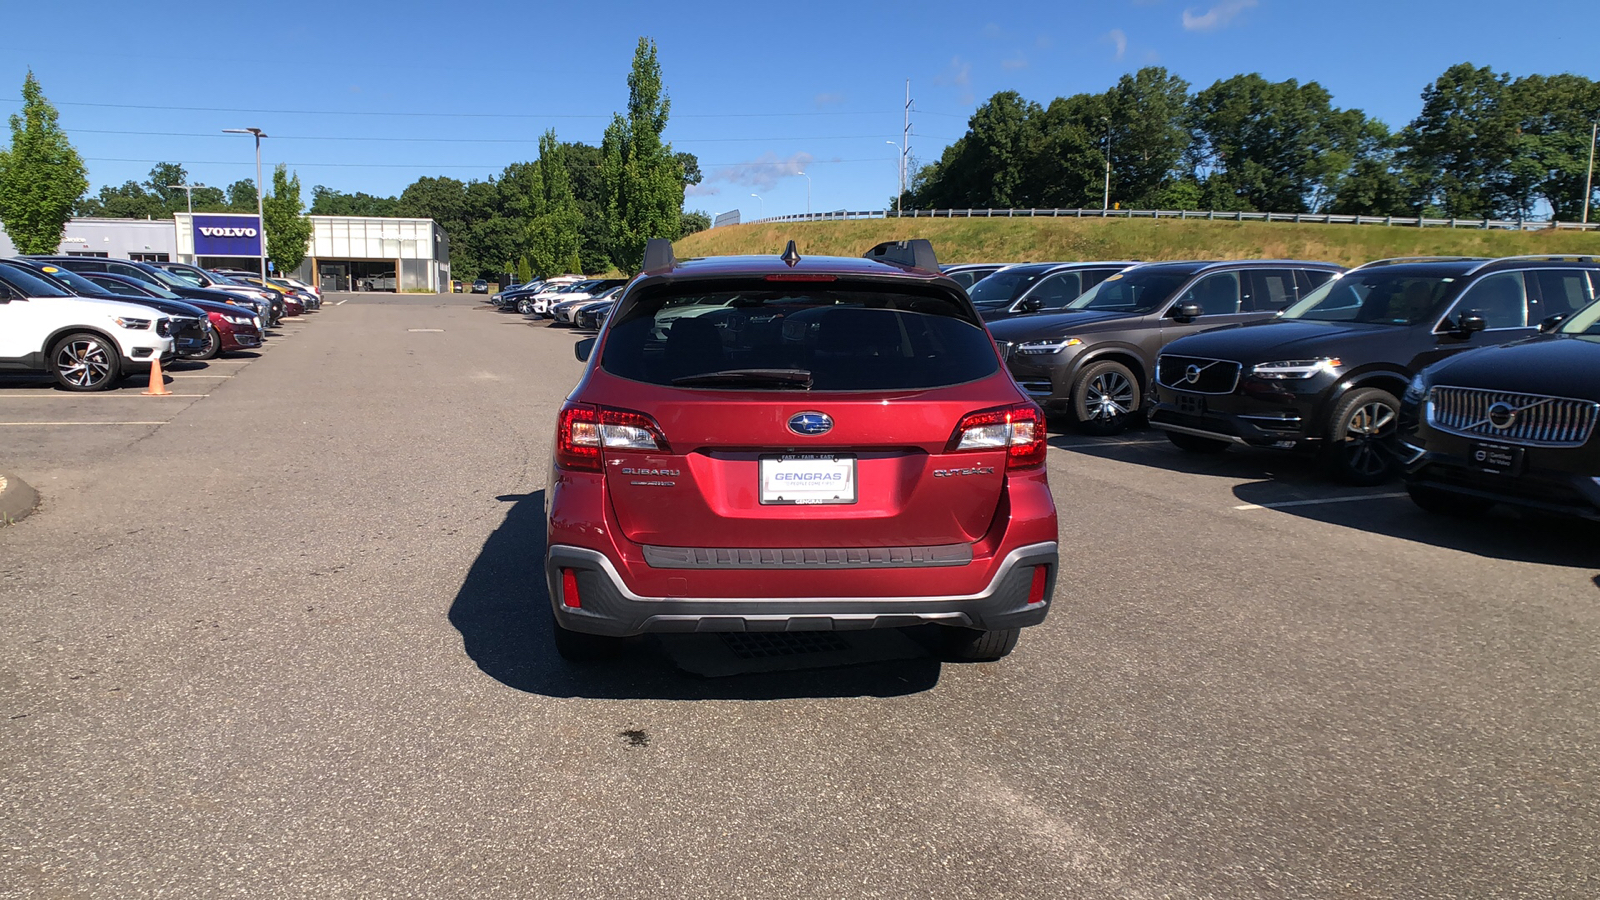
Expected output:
{"points": [[1210, 215]]}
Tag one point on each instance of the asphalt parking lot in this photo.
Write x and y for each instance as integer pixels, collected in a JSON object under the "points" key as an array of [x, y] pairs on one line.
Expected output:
{"points": [[281, 635]]}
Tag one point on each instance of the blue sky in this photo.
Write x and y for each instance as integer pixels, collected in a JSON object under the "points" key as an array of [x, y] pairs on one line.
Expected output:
{"points": [[760, 91]]}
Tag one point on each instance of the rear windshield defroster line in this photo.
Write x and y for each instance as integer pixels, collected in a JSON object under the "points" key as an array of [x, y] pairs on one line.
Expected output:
{"points": [[798, 337]]}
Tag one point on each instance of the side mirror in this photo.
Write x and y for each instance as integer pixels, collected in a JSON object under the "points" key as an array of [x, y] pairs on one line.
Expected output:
{"points": [[1186, 312], [583, 349], [1471, 323], [1033, 304], [1551, 323]]}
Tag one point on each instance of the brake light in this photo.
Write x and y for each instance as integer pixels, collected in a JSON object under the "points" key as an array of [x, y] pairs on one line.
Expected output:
{"points": [[802, 276], [581, 432], [1019, 430]]}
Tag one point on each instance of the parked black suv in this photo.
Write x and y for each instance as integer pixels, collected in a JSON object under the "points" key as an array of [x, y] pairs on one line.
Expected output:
{"points": [[1050, 291], [1512, 424], [1094, 360], [1328, 373]]}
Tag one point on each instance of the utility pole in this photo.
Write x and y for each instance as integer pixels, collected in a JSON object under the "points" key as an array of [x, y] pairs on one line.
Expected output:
{"points": [[1105, 203], [188, 192], [1588, 178], [261, 220], [905, 148]]}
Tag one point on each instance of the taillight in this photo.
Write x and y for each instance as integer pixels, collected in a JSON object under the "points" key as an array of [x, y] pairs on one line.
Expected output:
{"points": [[1019, 430], [581, 431], [802, 276]]}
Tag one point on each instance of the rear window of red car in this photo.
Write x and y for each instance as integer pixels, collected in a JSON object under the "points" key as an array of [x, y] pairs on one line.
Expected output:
{"points": [[843, 337]]}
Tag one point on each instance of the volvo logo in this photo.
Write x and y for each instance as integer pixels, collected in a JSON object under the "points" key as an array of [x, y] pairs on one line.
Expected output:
{"points": [[810, 423], [227, 232], [1191, 374], [1502, 415]]}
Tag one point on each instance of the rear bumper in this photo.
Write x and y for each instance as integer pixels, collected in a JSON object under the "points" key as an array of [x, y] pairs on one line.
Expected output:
{"points": [[610, 608]]}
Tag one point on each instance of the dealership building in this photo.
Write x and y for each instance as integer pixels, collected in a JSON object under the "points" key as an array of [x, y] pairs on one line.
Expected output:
{"points": [[346, 253]]}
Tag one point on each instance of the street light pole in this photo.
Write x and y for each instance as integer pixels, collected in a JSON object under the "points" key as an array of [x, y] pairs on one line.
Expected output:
{"points": [[808, 191], [763, 205], [188, 191], [1105, 202], [261, 221], [1588, 178]]}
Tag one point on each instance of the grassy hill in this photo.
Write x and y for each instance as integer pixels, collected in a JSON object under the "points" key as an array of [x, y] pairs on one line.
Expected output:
{"points": [[1018, 240]]}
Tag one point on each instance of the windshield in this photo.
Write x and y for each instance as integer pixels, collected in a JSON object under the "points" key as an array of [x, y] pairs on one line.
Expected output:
{"points": [[159, 291], [31, 284], [1376, 297], [798, 337], [188, 278], [167, 278], [1585, 321], [1005, 285], [1132, 292], [74, 282]]}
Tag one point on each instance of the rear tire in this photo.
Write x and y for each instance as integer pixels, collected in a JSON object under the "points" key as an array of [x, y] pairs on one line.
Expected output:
{"points": [[972, 645], [1359, 434], [1194, 443], [1445, 503], [1106, 398], [213, 347], [580, 646], [84, 362]]}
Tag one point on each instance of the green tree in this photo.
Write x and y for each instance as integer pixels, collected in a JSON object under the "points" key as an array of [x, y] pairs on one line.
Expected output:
{"points": [[326, 201], [555, 232], [242, 196], [41, 175], [694, 222], [1147, 113], [288, 232], [127, 201], [1456, 151], [644, 181]]}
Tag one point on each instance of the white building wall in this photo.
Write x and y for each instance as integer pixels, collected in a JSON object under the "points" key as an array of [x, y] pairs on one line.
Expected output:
{"points": [[116, 238]]}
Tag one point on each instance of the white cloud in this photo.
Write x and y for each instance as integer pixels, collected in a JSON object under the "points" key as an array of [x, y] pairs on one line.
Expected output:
{"points": [[959, 75], [1020, 61], [1119, 40], [701, 190], [764, 172], [994, 32], [1217, 16], [828, 99]]}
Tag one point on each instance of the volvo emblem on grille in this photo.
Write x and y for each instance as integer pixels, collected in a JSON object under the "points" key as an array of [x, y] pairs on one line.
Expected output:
{"points": [[810, 423], [1502, 415], [1191, 374]]}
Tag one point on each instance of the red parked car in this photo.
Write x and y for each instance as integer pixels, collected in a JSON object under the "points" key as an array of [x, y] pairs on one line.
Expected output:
{"points": [[771, 443]]}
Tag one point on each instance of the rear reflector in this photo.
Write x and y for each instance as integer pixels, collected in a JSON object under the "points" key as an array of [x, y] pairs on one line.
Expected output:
{"points": [[1035, 590], [569, 589]]}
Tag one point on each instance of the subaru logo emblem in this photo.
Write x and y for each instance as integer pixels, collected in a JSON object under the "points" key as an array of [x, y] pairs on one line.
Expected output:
{"points": [[810, 423]]}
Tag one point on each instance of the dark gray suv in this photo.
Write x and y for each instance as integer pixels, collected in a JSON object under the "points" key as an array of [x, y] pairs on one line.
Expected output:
{"points": [[1094, 360]]}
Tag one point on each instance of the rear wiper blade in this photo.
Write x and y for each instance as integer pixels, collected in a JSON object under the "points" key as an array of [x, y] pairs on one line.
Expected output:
{"points": [[800, 378]]}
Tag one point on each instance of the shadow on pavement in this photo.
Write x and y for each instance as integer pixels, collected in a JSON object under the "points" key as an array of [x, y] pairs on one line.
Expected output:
{"points": [[502, 612], [1502, 534]]}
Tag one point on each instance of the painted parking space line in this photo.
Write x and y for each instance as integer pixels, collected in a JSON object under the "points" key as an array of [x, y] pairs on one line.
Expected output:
{"points": [[105, 396], [56, 424], [199, 375], [1288, 503], [342, 302]]}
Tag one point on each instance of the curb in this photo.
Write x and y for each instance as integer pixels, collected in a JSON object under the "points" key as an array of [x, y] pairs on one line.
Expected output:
{"points": [[17, 499]]}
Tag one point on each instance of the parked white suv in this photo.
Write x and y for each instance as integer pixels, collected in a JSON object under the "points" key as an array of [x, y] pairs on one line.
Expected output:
{"points": [[86, 344]]}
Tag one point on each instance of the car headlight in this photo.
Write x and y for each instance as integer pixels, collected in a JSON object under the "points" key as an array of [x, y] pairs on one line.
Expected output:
{"points": [[1053, 345], [240, 320], [1296, 369], [256, 321], [132, 324]]}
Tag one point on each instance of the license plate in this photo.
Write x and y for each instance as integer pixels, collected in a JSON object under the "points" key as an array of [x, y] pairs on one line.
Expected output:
{"points": [[1193, 406], [808, 479], [1501, 458]]}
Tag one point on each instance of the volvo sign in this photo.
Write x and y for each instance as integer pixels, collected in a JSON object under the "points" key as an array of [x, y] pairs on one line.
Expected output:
{"points": [[227, 235]]}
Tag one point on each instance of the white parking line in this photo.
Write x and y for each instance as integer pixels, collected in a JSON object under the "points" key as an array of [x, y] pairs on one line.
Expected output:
{"points": [[342, 302], [198, 375], [70, 396], [1288, 503], [54, 424]]}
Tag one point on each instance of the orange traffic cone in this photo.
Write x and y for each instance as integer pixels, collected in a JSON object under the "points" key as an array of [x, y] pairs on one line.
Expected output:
{"points": [[158, 384]]}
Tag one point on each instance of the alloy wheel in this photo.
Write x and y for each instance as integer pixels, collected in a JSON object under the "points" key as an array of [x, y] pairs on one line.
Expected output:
{"points": [[1109, 396], [84, 363], [1370, 425]]}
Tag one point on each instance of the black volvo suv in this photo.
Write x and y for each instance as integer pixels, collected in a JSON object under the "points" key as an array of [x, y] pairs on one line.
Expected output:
{"points": [[1094, 359], [1512, 424], [1329, 372]]}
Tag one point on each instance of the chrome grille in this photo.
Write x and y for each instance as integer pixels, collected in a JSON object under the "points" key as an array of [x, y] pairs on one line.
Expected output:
{"points": [[1531, 419], [1197, 374]]}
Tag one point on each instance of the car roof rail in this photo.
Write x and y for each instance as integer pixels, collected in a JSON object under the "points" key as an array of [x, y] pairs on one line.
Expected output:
{"points": [[658, 256], [913, 254], [1401, 260], [1551, 257]]}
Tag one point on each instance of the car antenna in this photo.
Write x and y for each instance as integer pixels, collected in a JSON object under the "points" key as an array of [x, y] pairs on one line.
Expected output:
{"points": [[791, 255], [658, 256]]}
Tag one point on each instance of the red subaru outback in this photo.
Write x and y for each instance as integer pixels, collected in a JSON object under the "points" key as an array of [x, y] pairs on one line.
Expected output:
{"points": [[768, 443]]}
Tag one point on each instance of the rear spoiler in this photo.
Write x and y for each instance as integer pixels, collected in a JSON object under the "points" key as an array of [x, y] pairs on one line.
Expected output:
{"points": [[913, 254]]}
